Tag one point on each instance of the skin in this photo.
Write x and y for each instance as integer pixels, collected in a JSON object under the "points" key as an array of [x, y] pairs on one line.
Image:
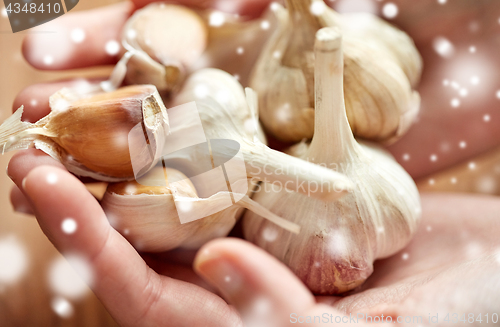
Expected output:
{"points": [[452, 265]]}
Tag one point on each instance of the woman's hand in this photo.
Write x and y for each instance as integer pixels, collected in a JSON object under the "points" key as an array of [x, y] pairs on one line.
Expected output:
{"points": [[445, 268], [451, 266]]}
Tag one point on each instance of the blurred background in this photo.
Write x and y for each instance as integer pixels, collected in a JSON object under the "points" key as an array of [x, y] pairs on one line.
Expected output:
{"points": [[460, 44]]}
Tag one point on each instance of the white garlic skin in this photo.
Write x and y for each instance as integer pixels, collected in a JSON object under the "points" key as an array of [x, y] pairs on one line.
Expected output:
{"points": [[340, 240], [382, 66], [147, 215]]}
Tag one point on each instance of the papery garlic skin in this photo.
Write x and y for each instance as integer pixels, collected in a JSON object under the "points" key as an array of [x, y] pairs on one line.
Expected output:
{"points": [[162, 40], [382, 66], [148, 216], [340, 240], [89, 133]]}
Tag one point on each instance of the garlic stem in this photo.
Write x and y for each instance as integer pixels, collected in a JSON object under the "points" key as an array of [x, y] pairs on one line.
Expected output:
{"points": [[331, 124], [225, 113], [294, 174], [301, 6]]}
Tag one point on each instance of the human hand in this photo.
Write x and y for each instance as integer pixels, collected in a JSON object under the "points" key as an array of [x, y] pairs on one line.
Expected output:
{"points": [[395, 285], [459, 278]]}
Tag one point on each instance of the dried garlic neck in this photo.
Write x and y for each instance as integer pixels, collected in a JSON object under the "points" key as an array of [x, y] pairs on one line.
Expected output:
{"points": [[331, 124]]}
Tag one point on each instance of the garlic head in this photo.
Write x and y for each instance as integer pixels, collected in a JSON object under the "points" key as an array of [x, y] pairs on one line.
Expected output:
{"points": [[340, 239]]}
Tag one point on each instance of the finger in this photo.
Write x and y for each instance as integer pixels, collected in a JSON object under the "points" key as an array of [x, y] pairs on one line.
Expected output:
{"points": [[24, 161], [57, 197], [20, 202], [263, 290], [76, 40], [129, 289], [249, 8], [176, 271], [35, 98]]}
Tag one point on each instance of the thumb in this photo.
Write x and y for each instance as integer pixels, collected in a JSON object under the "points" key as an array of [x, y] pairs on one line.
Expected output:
{"points": [[263, 290]]}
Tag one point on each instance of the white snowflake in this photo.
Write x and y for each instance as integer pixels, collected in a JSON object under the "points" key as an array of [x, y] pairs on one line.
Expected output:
{"points": [[390, 10], [13, 260], [443, 47], [318, 8], [217, 19], [112, 47], [52, 178], [62, 307], [48, 60], [65, 281], [78, 35], [455, 103], [474, 80], [69, 226]]}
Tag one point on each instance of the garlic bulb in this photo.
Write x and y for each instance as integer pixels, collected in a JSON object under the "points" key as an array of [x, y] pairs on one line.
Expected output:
{"points": [[381, 67], [155, 54], [148, 216], [89, 133], [225, 114], [339, 240]]}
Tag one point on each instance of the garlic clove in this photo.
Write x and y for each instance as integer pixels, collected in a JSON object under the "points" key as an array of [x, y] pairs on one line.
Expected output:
{"points": [[225, 114], [339, 240], [89, 134], [161, 41], [148, 216], [145, 30], [382, 66]]}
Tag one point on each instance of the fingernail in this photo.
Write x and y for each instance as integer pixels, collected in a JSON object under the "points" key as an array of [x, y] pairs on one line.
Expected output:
{"points": [[220, 272], [7, 172]]}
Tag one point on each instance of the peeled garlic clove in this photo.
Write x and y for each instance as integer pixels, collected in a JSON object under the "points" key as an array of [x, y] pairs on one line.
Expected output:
{"points": [[225, 114], [162, 40], [148, 215], [90, 134], [381, 67], [339, 240]]}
